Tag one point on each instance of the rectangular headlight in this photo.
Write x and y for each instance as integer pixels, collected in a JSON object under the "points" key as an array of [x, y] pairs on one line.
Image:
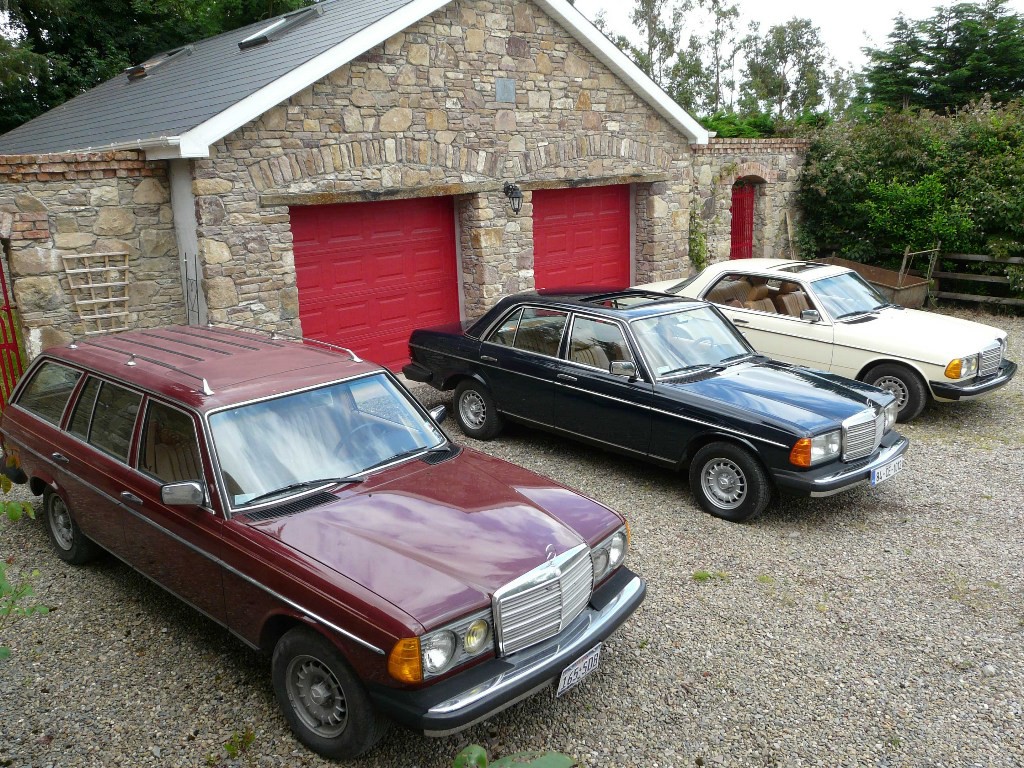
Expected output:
{"points": [[889, 414], [962, 367], [809, 451], [609, 554]]}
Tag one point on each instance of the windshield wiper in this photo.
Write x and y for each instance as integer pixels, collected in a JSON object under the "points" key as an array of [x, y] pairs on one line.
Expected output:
{"points": [[691, 369], [303, 484], [445, 446], [737, 358], [855, 312]]}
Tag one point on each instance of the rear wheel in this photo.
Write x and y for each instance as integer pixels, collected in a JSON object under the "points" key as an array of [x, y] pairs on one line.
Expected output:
{"points": [[905, 385], [728, 482], [323, 701], [476, 411], [70, 544]]}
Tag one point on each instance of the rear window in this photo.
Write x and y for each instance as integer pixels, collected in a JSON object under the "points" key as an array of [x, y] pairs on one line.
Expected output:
{"points": [[48, 391]]}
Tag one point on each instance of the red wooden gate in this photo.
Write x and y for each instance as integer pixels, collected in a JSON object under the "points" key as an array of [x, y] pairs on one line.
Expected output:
{"points": [[742, 220], [11, 365]]}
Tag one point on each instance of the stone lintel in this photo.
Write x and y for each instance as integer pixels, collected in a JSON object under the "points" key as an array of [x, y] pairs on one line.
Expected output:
{"points": [[369, 196], [595, 181]]}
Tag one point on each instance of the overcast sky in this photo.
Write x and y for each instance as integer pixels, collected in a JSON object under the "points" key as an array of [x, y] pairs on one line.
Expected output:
{"points": [[845, 26]]}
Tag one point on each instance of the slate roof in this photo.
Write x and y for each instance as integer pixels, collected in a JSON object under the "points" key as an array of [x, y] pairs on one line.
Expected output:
{"points": [[200, 95]]}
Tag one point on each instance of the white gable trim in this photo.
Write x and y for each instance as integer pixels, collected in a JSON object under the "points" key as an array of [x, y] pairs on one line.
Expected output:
{"points": [[197, 141], [619, 63]]}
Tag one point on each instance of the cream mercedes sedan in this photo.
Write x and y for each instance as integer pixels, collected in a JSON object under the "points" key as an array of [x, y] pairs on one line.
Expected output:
{"points": [[828, 317]]}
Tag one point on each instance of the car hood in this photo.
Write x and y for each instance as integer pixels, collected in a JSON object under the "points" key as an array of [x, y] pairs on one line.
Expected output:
{"points": [[437, 541], [780, 394], [913, 333]]}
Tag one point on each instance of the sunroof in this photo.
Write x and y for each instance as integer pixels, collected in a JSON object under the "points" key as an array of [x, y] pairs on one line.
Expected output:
{"points": [[278, 27], [625, 300], [800, 266]]}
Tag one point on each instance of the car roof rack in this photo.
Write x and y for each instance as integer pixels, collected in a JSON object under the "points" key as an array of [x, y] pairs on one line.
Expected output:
{"points": [[134, 356], [289, 337]]}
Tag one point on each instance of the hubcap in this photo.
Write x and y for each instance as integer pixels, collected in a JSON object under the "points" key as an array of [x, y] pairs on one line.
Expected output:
{"points": [[897, 387], [473, 409], [60, 524], [316, 696], [724, 483]]}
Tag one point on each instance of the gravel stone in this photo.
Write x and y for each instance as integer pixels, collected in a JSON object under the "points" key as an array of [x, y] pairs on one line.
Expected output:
{"points": [[873, 628]]}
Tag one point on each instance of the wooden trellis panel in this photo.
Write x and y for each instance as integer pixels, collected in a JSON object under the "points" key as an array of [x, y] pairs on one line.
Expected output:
{"points": [[99, 286]]}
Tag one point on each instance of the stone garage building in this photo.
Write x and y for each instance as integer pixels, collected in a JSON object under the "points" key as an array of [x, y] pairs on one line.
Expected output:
{"points": [[342, 172]]}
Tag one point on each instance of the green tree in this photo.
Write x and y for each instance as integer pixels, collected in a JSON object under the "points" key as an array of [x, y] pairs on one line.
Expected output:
{"points": [[785, 70], [963, 52], [54, 50], [723, 46]]}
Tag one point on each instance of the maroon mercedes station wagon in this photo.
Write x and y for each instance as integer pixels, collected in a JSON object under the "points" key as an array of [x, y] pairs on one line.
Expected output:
{"points": [[302, 498]]}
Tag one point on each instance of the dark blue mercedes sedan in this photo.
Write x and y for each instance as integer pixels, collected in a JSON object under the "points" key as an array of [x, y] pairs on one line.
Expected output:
{"points": [[668, 380]]}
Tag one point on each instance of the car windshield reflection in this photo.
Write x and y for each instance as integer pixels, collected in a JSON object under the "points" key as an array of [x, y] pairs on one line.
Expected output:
{"points": [[276, 448], [679, 342], [847, 295]]}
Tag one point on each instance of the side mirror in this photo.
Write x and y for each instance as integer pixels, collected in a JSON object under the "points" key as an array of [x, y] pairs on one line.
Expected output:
{"points": [[187, 494], [810, 315], [625, 368], [439, 414]]}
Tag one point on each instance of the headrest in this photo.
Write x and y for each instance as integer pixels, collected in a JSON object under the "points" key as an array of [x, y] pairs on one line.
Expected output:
{"points": [[759, 292], [789, 288]]}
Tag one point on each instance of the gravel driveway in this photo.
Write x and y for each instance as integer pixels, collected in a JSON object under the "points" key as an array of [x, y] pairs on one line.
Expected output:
{"points": [[873, 628]]}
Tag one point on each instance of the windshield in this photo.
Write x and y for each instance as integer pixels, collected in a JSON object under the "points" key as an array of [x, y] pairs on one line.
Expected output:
{"points": [[335, 432], [847, 294], [680, 341]]}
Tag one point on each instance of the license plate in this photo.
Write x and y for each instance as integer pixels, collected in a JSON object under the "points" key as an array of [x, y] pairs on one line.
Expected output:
{"points": [[579, 669], [884, 472]]}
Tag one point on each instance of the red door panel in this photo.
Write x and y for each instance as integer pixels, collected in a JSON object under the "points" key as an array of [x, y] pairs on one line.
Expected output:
{"points": [[581, 237], [369, 273], [742, 221]]}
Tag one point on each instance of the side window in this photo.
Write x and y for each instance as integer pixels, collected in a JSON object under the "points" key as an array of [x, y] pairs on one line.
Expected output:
{"points": [[597, 343], [170, 449], [540, 330], [82, 415], [505, 334], [730, 291], [114, 419], [47, 393]]}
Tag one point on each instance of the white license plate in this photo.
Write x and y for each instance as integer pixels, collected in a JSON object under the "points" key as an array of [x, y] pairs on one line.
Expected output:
{"points": [[579, 669], [884, 472]]}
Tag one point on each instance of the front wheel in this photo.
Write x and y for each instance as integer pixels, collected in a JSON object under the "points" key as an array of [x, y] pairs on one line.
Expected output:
{"points": [[728, 482], [322, 699], [902, 382], [476, 411], [70, 544]]}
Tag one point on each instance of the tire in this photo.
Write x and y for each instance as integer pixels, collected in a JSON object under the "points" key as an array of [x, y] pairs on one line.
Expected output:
{"points": [[728, 482], [476, 411], [70, 544], [323, 701], [904, 383]]}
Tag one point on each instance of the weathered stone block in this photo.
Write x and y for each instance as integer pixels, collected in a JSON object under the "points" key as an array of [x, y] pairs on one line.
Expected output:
{"points": [[74, 241], [150, 192], [419, 54], [214, 251], [27, 203], [202, 187], [396, 119], [105, 195], [114, 221], [155, 243], [220, 293], [35, 294]]}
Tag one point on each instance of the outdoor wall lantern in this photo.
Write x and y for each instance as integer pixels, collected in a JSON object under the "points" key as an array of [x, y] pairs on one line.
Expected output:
{"points": [[514, 195]]}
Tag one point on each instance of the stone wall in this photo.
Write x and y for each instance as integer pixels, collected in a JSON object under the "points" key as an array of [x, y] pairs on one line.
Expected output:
{"points": [[472, 96], [775, 165], [57, 205]]}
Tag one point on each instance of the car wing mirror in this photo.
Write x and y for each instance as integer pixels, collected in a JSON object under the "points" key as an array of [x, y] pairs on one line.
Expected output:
{"points": [[185, 494], [810, 315], [625, 368], [438, 414]]}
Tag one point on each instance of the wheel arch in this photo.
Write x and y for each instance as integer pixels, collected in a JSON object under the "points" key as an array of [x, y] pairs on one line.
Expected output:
{"points": [[452, 380], [706, 438], [863, 372]]}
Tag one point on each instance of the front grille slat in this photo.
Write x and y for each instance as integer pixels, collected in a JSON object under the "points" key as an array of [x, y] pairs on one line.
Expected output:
{"points": [[991, 359], [544, 601], [862, 434]]}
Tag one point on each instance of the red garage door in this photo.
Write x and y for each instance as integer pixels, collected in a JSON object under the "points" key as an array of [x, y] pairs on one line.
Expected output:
{"points": [[581, 237], [369, 273]]}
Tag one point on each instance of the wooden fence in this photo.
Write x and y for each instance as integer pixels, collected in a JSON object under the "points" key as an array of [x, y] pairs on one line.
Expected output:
{"points": [[935, 271]]}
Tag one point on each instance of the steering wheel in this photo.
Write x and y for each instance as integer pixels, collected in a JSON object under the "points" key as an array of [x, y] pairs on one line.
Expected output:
{"points": [[348, 440], [707, 341]]}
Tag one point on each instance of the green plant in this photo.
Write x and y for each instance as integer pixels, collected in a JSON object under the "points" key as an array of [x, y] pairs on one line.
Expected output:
{"points": [[239, 743], [475, 756], [698, 240], [15, 596], [702, 576]]}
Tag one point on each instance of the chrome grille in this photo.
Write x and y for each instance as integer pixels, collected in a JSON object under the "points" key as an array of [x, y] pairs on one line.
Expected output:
{"points": [[862, 434], [541, 603], [991, 358]]}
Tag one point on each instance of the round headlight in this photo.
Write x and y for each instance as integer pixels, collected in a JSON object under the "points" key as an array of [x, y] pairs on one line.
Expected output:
{"points": [[476, 636], [437, 650], [600, 562], [616, 550]]}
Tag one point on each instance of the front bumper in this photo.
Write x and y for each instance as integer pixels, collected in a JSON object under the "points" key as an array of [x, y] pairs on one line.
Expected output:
{"points": [[945, 391], [484, 690], [831, 479]]}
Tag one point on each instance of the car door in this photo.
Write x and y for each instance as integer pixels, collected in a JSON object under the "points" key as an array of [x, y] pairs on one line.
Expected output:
{"points": [[590, 402], [179, 547], [520, 360], [769, 318]]}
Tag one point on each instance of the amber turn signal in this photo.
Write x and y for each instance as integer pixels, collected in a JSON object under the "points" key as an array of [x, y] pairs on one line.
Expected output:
{"points": [[404, 663], [801, 453], [954, 369]]}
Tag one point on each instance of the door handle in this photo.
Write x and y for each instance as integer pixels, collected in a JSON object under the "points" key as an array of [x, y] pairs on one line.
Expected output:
{"points": [[131, 497], [488, 359], [59, 457], [737, 321], [565, 377]]}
